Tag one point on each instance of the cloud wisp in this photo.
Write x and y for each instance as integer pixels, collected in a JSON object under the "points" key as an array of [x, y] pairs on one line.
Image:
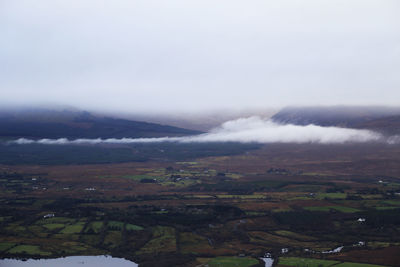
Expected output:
{"points": [[244, 130]]}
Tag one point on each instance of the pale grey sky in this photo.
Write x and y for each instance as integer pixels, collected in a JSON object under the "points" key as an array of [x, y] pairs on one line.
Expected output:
{"points": [[190, 55]]}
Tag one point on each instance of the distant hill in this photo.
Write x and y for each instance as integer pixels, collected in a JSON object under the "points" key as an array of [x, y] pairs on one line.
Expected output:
{"points": [[46, 123], [385, 119], [389, 124]]}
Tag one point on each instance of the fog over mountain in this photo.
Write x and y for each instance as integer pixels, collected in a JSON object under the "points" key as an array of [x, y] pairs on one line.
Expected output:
{"points": [[323, 125], [383, 119], [201, 65], [245, 130]]}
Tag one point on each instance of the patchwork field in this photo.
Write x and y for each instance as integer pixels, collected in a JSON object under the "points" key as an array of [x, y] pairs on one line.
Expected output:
{"points": [[302, 204]]}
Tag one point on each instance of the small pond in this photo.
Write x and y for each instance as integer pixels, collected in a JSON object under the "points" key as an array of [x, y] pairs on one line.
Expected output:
{"points": [[84, 261]]}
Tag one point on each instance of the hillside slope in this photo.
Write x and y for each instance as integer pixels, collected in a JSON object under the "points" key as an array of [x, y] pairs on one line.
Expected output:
{"points": [[384, 119], [78, 124]]}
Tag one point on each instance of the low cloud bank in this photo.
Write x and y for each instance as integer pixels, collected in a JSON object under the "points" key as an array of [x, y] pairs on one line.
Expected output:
{"points": [[258, 130], [65, 141], [395, 139], [246, 130]]}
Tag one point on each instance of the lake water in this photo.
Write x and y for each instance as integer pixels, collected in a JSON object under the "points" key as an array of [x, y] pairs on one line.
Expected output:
{"points": [[79, 261]]}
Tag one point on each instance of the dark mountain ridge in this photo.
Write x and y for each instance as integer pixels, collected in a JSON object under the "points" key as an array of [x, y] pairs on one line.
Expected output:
{"points": [[42, 123]]}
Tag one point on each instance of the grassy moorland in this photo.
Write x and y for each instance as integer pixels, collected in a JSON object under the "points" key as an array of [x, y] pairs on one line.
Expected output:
{"points": [[298, 202]]}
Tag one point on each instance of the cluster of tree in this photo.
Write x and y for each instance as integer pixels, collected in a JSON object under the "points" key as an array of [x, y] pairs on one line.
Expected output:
{"points": [[13, 154]]}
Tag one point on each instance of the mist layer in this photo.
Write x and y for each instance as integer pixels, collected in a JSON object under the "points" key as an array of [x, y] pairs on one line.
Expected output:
{"points": [[244, 130]]}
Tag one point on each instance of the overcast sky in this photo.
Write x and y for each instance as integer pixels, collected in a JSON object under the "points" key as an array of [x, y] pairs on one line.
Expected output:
{"points": [[199, 55]]}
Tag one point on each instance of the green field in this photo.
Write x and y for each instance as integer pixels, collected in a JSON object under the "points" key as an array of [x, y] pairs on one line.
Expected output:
{"points": [[329, 208], [73, 229], [353, 264], [163, 240], [132, 227], [95, 227], [61, 220], [112, 239], [193, 243], [232, 262], [6, 245], [115, 225], [308, 262]]}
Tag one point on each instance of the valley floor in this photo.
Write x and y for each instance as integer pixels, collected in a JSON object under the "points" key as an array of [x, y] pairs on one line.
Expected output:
{"points": [[306, 205]]}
